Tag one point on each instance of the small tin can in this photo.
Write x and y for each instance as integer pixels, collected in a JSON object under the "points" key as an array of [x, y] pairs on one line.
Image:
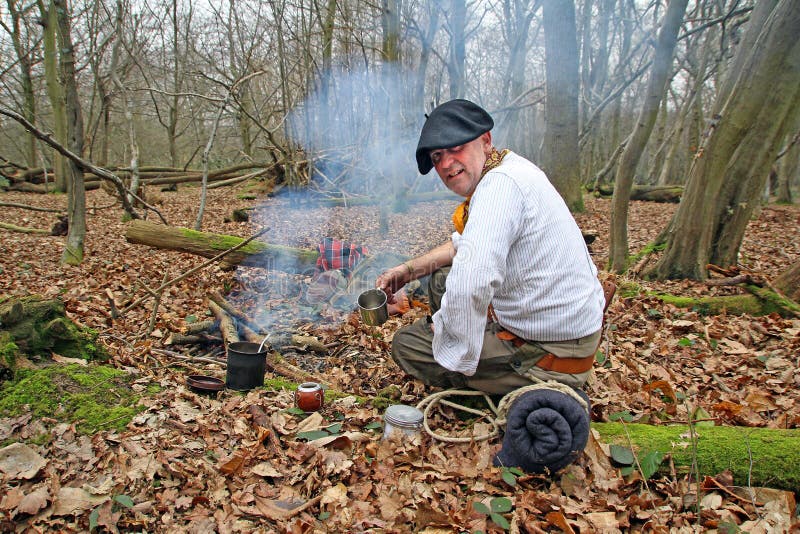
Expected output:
{"points": [[402, 422]]}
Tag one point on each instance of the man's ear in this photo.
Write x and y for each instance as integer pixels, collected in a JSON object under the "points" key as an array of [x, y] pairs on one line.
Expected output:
{"points": [[486, 142]]}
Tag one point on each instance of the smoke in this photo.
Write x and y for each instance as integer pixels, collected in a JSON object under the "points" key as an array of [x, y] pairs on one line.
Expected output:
{"points": [[360, 130]]}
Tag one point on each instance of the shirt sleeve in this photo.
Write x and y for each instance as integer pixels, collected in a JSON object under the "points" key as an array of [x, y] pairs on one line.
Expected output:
{"points": [[479, 268]]}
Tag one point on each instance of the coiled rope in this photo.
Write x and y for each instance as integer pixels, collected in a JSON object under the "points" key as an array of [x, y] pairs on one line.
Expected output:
{"points": [[498, 416]]}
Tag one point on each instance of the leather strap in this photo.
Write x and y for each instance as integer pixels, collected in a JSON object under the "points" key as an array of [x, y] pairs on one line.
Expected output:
{"points": [[570, 366], [549, 362]]}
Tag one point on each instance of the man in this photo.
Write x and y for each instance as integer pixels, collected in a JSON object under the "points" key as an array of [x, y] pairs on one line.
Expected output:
{"points": [[514, 294]]}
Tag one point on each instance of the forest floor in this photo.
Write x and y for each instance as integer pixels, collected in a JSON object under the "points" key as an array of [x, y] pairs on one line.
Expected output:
{"points": [[170, 469]]}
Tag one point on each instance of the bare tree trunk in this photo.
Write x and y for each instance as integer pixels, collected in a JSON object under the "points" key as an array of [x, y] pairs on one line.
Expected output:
{"points": [[55, 90], [517, 17], [456, 66], [788, 282], [765, 91], [560, 153], [76, 192], [659, 77], [788, 171], [669, 172], [134, 145], [426, 36], [24, 59]]}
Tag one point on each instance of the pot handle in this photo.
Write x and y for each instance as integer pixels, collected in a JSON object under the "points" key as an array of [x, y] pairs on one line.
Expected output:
{"points": [[260, 347]]}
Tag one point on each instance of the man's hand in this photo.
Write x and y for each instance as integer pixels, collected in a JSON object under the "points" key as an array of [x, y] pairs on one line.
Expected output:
{"points": [[393, 279]]}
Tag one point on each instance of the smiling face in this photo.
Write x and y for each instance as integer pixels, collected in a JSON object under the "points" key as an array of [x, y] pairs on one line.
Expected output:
{"points": [[460, 167]]}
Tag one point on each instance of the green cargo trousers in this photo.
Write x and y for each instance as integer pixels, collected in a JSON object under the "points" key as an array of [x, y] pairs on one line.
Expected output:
{"points": [[502, 368]]}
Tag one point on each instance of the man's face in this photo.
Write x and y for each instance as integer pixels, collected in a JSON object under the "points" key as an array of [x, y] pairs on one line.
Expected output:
{"points": [[460, 167]]}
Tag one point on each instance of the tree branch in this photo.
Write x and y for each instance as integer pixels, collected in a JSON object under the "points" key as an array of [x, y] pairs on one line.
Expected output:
{"points": [[84, 165]]}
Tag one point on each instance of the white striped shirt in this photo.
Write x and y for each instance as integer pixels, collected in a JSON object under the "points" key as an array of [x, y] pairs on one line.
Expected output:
{"points": [[522, 251]]}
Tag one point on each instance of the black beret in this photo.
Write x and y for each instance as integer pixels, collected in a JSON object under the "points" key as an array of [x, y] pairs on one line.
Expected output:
{"points": [[451, 124]]}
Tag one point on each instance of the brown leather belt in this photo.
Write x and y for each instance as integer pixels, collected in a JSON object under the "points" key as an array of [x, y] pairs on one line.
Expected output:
{"points": [[549, 362]]}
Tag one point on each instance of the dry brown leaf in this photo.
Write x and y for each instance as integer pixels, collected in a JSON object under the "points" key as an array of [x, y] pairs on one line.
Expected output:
{"points": [[557, 519], [20, 461], [34, 501], [69, 501], [233, 464]]}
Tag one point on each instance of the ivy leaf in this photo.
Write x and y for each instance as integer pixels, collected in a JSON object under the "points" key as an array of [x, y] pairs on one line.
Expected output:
{"points": [[93, 517], [375, 425], [621, 416], [295, 411], [124, 500], [312, 435], [621, 455], [625, 471], [334, 429], [650, 463], [501, 521], [700, 413], [501, 505], [509, 478], [481, 508]]}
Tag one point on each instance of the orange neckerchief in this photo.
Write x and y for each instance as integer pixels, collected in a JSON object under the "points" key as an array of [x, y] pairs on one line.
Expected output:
{"points": [[461, 213]]}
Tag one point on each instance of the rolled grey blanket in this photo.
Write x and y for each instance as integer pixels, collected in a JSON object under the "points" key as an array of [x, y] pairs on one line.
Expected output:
{"points": [[545, 431]]}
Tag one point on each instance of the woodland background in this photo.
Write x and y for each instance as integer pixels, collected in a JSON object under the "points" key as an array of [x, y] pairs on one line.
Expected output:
{"points": [[280, 108]]}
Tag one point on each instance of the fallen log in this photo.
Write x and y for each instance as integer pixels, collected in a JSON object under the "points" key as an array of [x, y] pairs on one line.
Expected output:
{"points": [[227, 326], [652, 193], [32, 208], [760, 301], [23, 229], [411, 198], [772, 452], [27, 187], [208, 245]]}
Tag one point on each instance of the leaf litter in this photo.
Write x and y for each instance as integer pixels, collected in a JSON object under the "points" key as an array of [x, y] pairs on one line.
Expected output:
{"points": [[192, 462]]}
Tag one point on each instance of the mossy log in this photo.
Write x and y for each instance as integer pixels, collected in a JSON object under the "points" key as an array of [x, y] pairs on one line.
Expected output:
{"points": [[431, 196], [35, 328], [208, 245], [760, 301], [773, 453], [652, 193], [23, 229]]}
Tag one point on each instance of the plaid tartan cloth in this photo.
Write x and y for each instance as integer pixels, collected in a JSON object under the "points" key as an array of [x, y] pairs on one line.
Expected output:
{"points": [[336, 254]]}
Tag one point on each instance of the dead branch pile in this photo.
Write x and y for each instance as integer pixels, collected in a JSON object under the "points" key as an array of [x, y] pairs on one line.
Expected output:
{"points": [[35, 180], [230, 325]]}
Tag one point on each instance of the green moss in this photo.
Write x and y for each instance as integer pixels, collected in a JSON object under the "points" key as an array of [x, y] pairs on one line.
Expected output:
{"points": [[773, 452], [628, 289], [96, 397], [650, 248], [279, 383], [736, 304], [39, 327], [8, 351]]}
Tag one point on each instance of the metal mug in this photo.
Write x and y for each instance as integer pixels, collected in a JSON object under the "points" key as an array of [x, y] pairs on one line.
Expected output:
{"points": [[372, 304], [309, 396]]}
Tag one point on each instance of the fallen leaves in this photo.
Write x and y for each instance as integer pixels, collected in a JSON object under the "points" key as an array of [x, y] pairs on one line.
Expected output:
{"points": [[198, 463]]}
